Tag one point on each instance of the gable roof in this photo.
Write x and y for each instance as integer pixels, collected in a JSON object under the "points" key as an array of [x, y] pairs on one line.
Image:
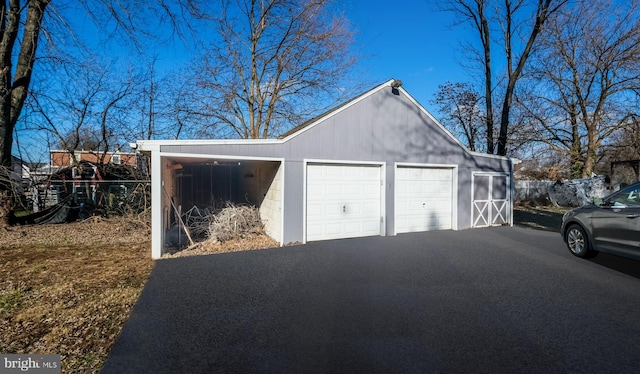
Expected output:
{"points": [[333, 111], [149, 145], [390, 83]]}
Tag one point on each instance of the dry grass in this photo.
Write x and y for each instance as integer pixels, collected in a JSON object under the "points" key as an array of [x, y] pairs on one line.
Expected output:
{"points": [[68, 289]]}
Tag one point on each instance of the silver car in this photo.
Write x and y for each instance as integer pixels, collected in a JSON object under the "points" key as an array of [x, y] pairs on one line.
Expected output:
{"points": [[610, 225]]}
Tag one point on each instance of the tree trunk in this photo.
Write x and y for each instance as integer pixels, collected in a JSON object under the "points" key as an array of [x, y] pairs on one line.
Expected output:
{"points": [[542, 14], [504, 119], [488, 86], [489, 106], [590, 160], [13, 92]]}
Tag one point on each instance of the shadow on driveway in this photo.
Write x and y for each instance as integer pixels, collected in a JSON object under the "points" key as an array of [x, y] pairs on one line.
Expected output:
{"points": [[502, 299], [619, 264], [539, 219]]}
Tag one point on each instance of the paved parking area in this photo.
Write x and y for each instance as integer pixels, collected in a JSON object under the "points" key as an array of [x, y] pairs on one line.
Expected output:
{"points": [[501, 299]]}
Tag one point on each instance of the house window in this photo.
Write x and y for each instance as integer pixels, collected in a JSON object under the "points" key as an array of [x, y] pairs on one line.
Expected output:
{"points": [[115, 159]]}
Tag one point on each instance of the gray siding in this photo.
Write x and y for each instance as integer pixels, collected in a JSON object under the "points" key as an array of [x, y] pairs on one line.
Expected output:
{"points": [[382, 127], [293, 202], [389, 200]]}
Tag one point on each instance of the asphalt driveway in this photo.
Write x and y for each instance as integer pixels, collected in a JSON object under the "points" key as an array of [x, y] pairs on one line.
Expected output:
{"points": [[494, 300]]}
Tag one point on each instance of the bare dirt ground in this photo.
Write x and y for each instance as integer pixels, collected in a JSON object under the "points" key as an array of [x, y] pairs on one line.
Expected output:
{"points": [[68, 289]]}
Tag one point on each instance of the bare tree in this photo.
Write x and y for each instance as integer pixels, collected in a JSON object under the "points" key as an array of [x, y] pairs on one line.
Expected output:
{"points": [[588, 80], [475, 13], [623, 148], [277, 61], [165, 107], [459, 102], [518, 24], [24, 25], [85, 110], [625, 144]]}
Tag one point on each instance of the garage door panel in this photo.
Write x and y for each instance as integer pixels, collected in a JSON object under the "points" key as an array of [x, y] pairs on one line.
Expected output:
{"points": [[352, 228], [333, 190], [314, 229], [424, 199], [371, 210], [415, 223], [315, 209], [444, 187], [414, 190], [353, 210], [331, 210], [371, 228], [334, 173], [314, 190], [332, 229], [443, 205], [371, 174], [370, 190], [343, 201]]}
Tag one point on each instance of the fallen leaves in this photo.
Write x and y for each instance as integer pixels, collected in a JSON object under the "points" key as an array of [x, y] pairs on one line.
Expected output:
{"points": [[68, 289]]}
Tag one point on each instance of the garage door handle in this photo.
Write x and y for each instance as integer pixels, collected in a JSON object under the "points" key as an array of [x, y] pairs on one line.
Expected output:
{"points": [[344, 209], [632, 216]]}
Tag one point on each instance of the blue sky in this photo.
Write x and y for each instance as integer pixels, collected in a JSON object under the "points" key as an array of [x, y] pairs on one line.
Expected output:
{"points": [[408, 40], [404, 39]]}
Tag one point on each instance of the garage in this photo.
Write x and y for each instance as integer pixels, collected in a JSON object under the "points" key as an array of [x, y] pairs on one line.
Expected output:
{"points": [[343, 201], [379, 164], [424, 198]]}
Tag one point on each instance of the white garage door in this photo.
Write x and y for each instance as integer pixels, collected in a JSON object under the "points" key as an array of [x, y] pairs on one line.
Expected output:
{"points": [[343, 201], [424, 199]]}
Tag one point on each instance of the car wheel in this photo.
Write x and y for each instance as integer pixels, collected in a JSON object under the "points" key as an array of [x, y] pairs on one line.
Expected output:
{"points": [[577, 241]]}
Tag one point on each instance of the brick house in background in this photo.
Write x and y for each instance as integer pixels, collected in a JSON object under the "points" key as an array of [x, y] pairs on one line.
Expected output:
{"points": [[89, 177], [62, 158]]}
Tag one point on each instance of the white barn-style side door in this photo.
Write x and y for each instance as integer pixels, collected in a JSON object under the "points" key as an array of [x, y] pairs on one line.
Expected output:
{"points": [[491, 200]]}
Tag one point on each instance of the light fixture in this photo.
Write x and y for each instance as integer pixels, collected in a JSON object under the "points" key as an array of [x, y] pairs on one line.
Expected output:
{"points": [[396, 83]]}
